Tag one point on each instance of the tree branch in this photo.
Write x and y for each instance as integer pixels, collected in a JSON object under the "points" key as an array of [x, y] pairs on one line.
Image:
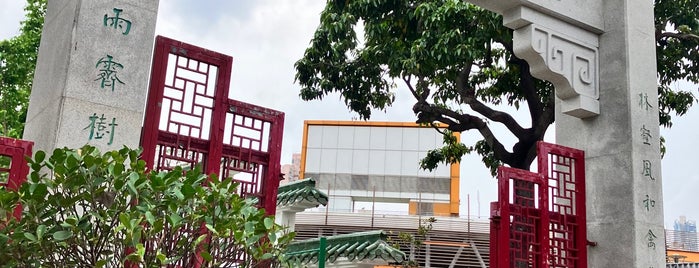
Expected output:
{"points": [[661, 35], [468, 96], [462, 122]]}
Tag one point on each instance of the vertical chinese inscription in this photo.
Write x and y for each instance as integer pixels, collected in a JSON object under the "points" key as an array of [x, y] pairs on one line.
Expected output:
{"points": [[645, 104], [648, 203], [648, 169], [108, 69], [116, 22], [645, 135], [651, 237], [99, 127]]}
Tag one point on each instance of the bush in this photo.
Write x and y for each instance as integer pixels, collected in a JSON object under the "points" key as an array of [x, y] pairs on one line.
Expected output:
{"points": [[82, 208]]}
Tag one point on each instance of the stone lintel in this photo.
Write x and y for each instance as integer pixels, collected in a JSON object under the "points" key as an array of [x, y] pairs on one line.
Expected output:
{"points": [[566, 11], [559, 52]]}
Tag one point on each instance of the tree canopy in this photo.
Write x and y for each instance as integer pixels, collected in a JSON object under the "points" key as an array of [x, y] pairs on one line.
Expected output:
{"points": [[17, 62], [456, 60]]}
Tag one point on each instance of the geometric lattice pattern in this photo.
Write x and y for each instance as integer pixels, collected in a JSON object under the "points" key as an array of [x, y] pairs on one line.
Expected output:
{"points": [[190, 121], [564, 170], [539, 219]]}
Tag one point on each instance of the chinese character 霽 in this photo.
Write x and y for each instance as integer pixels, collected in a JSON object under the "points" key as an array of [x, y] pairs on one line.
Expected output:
{"points": [[108, 72], [118, 23], [99, 127]]}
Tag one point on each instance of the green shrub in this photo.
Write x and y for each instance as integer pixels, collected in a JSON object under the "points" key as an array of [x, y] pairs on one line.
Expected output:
{"points": [[82, 208]]}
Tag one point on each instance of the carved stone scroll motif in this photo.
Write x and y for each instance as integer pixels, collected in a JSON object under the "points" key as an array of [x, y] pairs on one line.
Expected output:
{"points": [[570, 65]]}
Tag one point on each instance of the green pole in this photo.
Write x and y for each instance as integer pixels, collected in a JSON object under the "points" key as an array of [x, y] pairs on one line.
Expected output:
{"points": [[321, 253]]}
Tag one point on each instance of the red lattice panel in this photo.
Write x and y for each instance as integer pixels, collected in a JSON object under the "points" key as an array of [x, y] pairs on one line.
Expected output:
{"points": [[188, 97], [564, 170], [539, 219], [520, 226], [191, 121], [13, 165], [251, 141]]}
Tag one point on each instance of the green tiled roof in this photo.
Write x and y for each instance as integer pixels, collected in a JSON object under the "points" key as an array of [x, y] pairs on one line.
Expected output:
{"points": [[302, 192], [359, 246]]}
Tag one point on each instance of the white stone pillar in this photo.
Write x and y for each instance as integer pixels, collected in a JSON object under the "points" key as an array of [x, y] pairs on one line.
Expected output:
{"points": [[622, 147], [287, 217], [92, 73]]}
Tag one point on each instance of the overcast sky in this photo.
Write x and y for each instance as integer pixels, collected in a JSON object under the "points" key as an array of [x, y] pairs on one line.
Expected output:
{"points": [[266, 37]]}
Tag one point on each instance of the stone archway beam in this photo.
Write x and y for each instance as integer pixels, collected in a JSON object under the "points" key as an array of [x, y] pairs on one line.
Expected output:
{"points": [[560, 40]]}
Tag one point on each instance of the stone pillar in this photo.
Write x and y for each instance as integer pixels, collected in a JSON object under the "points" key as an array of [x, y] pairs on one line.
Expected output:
{"points": [[622, 147], [92, 73], [600, 56], [287, 217]]}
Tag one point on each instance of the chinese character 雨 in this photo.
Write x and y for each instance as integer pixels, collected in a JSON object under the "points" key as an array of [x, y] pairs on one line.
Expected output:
{"points": [[108, 72], [117, 23], [99, 127]]}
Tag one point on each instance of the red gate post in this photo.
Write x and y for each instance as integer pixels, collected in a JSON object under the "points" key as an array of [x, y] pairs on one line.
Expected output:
{"points": [[17, 169], [494, 231]]}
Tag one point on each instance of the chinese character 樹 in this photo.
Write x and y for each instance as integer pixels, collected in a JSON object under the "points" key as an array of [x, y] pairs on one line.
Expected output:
{"points": [[99, 127], [117, 23], [108, 72]]}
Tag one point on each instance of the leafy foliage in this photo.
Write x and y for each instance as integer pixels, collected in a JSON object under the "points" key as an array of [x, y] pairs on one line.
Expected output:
{"points": [[102, 210], [413, 241], [457, 61], [17, 62]]}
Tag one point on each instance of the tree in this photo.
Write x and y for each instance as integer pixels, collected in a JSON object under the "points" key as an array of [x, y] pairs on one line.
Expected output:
{"points": [[456, 60], [17, 62], [98, 210]]}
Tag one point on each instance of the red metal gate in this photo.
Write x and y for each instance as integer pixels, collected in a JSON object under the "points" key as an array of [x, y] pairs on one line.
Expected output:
{"points": [[190, 120], [13, 165], [539, 219]]}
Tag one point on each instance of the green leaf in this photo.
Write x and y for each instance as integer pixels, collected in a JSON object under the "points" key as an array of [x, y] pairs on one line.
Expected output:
{"points": [[30, 236], [150, 218], [40, 231], [101, 263], [141, 250], [188, 191], [206, 256], [269, 223], [124, 220], [62, 235], [175, 219], [39, 156]]}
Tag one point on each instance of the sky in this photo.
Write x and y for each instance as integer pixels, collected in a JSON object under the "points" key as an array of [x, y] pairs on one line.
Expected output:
{"points": [[266, 37]]}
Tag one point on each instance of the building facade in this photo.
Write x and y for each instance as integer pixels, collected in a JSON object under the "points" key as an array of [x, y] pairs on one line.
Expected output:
{"points": [[378, 162]]}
